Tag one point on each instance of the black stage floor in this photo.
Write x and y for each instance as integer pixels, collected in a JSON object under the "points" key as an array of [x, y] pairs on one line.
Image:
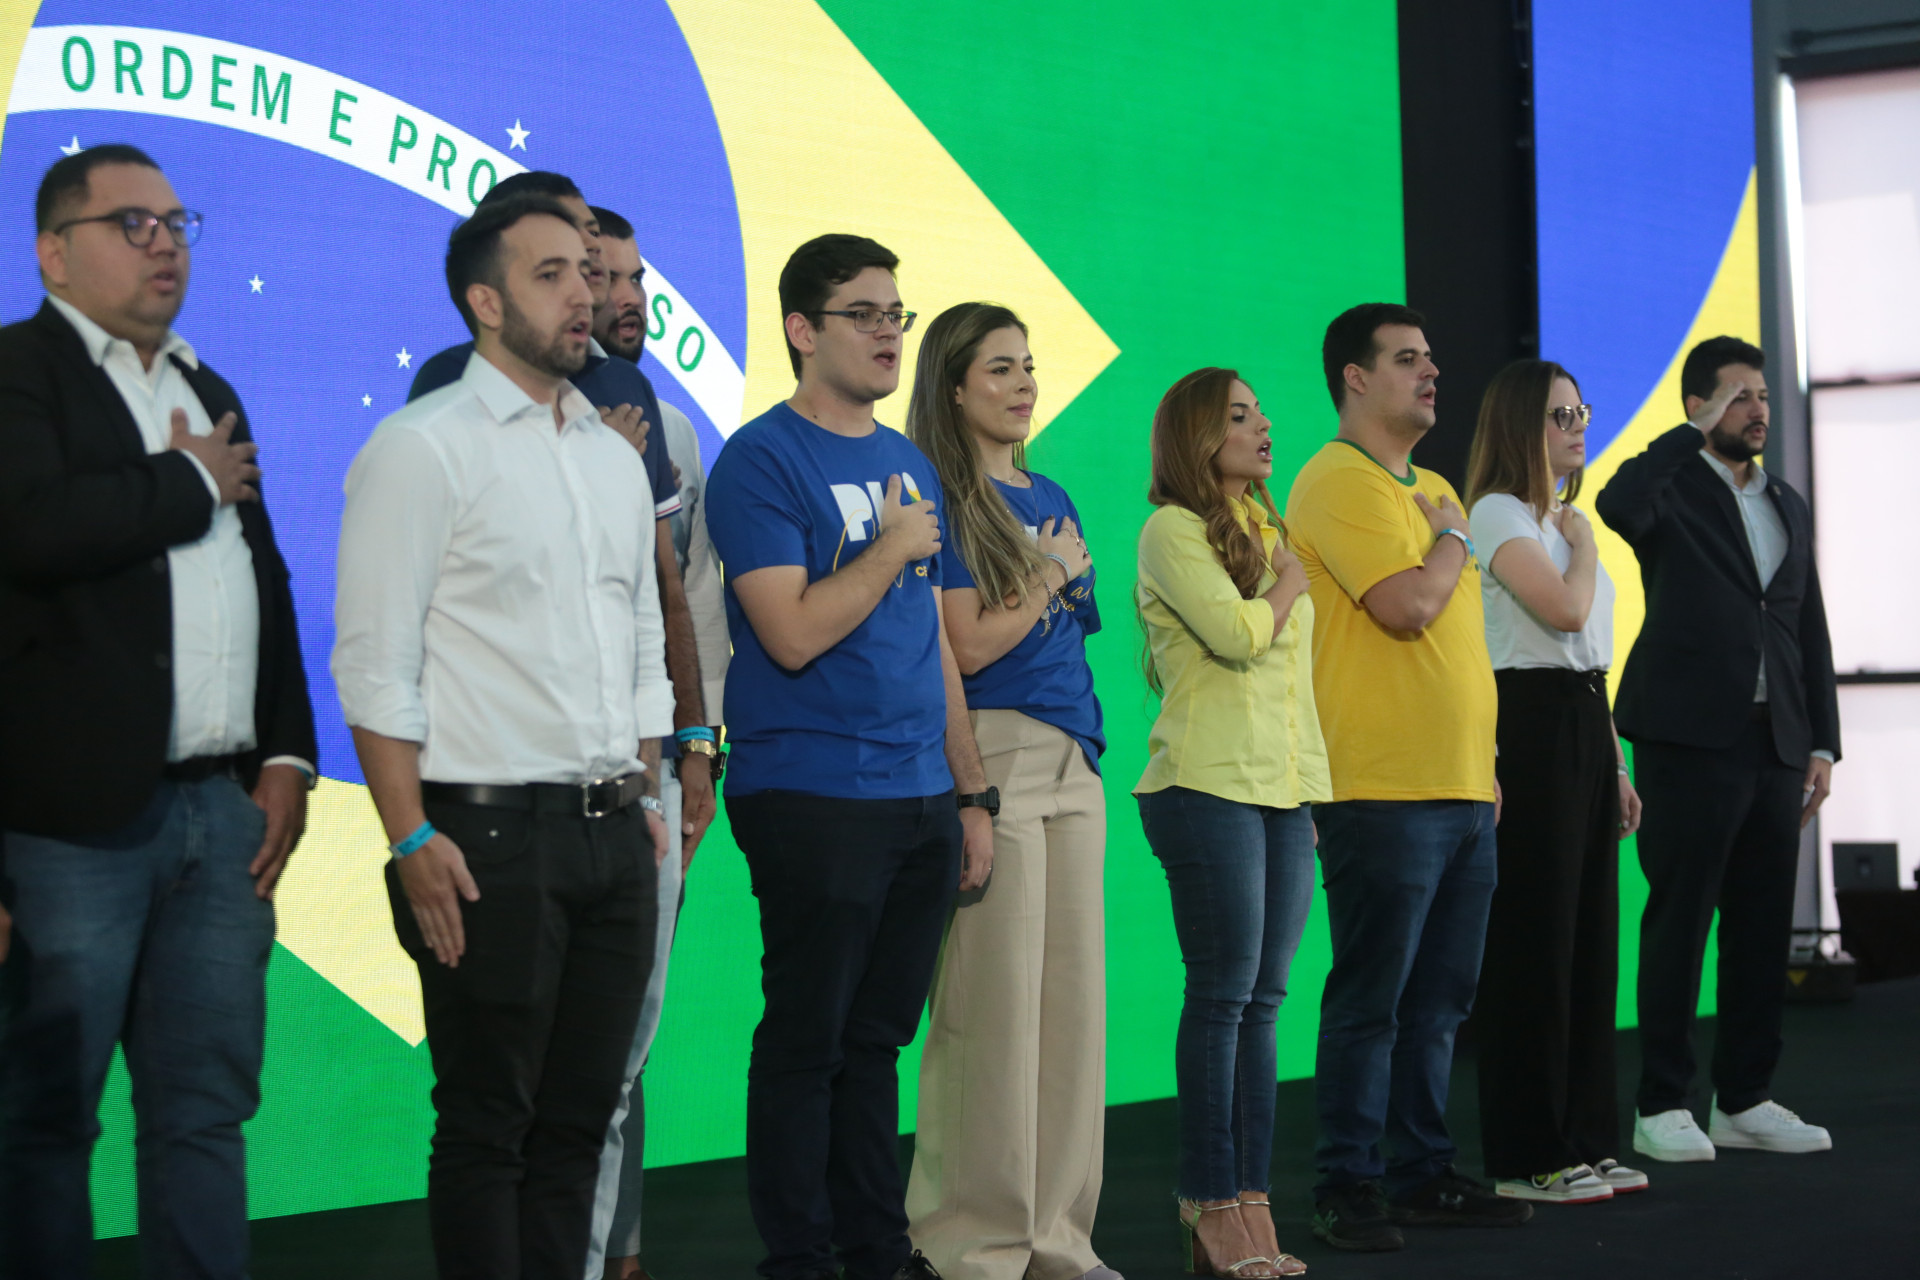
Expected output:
{"points": [[1851, 1214]]}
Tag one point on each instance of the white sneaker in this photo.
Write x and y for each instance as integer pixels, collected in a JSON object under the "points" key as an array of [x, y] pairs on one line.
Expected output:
{"points": [[1576, 1185], [1767, 1127], [1671, 1136], [1619, 1177]]}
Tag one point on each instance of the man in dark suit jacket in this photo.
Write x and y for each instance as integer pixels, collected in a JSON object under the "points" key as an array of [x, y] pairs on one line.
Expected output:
{"points": [[156, 740], [1729, 700]]}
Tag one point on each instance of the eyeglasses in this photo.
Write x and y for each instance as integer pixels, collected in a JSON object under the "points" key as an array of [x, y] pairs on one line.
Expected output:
{"points": [[867, 319], [1564, 416], [140, 226]]}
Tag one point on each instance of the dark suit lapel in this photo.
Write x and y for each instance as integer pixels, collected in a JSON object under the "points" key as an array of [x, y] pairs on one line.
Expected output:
{"points": [[66, 345], [1798, 543], [1728, 505]]}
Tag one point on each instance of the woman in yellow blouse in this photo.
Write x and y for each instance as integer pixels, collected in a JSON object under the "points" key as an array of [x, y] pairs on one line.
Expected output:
{"points": [[1236, 759]]}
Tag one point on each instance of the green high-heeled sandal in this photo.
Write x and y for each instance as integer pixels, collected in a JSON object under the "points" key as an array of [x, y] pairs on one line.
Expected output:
{"points": [[1200, 1263]]}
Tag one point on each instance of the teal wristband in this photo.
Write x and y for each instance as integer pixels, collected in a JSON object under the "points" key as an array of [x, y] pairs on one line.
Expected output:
{"points": [[698, 733], [421, 834], [1471, 553]]}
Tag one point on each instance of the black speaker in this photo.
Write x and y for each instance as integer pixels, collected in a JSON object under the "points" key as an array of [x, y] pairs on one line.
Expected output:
{"points": [[1873, 865]]}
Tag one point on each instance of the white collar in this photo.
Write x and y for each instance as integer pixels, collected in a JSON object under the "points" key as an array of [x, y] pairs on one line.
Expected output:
{"points": [[1756, 477], [505, 400], [99, 342]]}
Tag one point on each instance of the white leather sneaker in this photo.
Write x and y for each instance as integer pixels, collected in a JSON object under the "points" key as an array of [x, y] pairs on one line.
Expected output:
{"points": [[1767, 1127], [1619, 1177], [1671, 1136]]}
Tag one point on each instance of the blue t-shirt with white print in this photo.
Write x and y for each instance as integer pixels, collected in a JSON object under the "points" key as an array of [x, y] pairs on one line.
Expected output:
{"points": [[1046, 675], [867, 718]]}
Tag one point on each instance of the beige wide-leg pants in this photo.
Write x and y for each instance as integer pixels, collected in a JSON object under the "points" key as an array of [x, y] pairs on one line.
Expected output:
{"points": [[1006, 1167]]}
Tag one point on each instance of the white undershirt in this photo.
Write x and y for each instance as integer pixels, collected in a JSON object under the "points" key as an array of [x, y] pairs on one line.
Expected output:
{"points": [[216, 603], [1766, 535]]}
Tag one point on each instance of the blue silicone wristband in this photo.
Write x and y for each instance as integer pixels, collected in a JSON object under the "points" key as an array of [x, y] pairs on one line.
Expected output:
{"points": [[698, 733], [421, 834], [1455, 533]]}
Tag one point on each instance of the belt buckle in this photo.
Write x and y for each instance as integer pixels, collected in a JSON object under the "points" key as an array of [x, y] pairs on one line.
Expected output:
{"points": [[588, 809]]}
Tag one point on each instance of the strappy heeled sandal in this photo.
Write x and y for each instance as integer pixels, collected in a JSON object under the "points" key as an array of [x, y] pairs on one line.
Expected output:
{"points": [[1284, 1264], [1200, 1263]]}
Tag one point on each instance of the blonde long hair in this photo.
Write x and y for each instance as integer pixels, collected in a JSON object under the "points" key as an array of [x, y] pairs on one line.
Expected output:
{"points": [[1509, 453], [993, 545]]}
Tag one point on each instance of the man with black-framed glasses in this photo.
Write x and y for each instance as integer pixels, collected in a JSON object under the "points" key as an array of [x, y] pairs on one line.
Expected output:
{"points": [[849, 733], [156, 740]]}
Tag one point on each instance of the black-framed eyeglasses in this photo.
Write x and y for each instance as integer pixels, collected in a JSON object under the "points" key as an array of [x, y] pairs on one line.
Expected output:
{"points": [[867, 319], [1564, 416], [140, 226]]}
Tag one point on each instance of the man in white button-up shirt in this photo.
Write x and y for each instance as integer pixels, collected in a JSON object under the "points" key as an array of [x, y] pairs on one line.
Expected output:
{"points": [[500, 658], [156, 740]]}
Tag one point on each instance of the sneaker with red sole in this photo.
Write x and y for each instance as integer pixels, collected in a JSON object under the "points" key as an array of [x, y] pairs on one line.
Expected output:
{"points": [[1577, 1184]]}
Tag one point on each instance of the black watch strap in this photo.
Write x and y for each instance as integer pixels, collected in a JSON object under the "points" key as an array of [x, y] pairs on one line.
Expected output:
{"points": [[988, 800]]}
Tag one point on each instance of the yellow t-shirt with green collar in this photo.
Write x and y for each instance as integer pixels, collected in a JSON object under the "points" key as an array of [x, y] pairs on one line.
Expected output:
{"points": [[1408, 715]]}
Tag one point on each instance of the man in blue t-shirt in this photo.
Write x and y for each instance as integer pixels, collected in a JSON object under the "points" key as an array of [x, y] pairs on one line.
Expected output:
{"points": [[850, 739]]}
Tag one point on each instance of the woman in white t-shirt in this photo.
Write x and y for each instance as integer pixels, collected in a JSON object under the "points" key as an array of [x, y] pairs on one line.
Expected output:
{"points": [[1549, 1120]]}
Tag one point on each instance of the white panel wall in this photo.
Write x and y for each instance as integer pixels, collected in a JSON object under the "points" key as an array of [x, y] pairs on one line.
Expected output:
{"points": [[1866, 454], [1859, 141]]}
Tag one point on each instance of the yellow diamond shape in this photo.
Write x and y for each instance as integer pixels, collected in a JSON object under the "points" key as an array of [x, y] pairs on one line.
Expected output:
{"points": [[333, 913], [819, 142]]}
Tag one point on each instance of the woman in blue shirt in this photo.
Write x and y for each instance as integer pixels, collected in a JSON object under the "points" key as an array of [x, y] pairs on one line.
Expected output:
{"points": [[1006, 1169]]}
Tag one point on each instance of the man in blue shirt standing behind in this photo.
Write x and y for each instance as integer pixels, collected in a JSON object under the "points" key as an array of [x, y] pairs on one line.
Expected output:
{"points": [[840, 698]]}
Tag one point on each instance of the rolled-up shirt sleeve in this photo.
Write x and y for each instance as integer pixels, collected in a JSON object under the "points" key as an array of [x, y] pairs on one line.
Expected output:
{"points": [[653, 700], [394, 535], [1178, 565]]}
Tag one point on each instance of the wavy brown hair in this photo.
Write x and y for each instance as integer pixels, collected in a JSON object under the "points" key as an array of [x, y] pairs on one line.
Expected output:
{"points": [[1509, 453], [990, 540], [1188, 429]]}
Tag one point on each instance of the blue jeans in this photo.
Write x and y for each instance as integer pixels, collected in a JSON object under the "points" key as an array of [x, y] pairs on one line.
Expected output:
{"points": [[1408, 887], [1241, 878], [150, 936]]}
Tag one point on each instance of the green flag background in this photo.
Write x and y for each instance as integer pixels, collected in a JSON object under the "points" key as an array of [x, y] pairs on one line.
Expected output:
{"points": [[1211, 184]]}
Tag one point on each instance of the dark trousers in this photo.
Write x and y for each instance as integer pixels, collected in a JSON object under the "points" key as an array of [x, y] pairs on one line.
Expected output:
{"points": [[1408, 882], [854, 895], [1549, 983], [151, 937], [1719, 829], [530, 1032]]}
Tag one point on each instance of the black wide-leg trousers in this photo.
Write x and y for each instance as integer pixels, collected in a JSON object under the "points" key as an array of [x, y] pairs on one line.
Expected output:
{"points": [[1721, 829], [1548, 982]]}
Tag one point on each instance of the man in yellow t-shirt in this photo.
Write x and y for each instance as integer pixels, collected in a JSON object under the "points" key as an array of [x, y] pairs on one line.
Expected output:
{"points": [[1407, 704]]}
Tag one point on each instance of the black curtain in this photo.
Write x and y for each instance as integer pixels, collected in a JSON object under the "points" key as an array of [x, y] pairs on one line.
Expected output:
{"points": [[1466, 144]]}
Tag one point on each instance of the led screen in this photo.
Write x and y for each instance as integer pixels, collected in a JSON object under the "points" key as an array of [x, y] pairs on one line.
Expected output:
{"points": [[1149, 204]]}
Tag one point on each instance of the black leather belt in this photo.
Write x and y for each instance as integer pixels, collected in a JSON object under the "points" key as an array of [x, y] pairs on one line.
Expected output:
{"points": [[200, 768], [594, 799]]}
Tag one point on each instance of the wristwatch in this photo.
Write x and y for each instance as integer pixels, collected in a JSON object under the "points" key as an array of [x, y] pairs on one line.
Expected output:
{"points": [[988, 800], [652, 804], [716, 758]]}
